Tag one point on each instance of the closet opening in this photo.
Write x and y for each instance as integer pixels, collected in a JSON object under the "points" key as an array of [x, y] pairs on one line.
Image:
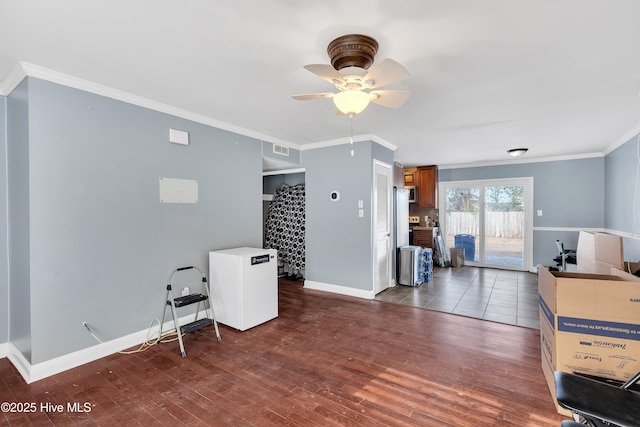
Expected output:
{"points": [[284, 219]]}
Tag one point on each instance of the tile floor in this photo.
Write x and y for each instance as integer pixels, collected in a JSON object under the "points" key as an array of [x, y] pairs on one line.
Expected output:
{"points": [[498, 295]]}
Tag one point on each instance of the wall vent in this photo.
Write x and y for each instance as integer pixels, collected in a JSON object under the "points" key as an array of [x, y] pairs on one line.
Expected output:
{"points": [[279, 149]]}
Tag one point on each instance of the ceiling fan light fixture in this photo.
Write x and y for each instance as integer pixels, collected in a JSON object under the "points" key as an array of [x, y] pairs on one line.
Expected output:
{"points": [[351, 57], [517, 152], [352, 50], [351, 101]]}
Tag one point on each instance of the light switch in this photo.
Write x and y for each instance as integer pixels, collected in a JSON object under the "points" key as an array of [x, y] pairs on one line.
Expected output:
{"points": [[539, 212], [361, 213]]}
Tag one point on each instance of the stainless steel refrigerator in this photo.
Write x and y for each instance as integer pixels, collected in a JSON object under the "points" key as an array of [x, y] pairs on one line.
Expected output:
{"points": [[400, 225]]}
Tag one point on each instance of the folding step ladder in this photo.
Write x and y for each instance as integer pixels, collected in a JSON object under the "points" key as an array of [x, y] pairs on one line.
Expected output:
{"points": [[184, 301]]}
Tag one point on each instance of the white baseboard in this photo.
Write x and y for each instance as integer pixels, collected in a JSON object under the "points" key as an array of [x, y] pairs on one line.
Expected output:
{"points": [[4, 349], [17, 359], [36, 372], [338, 289]]}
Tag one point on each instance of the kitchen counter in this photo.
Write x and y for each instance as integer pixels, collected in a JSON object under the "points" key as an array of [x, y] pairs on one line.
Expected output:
{"points": [[423, 236]]}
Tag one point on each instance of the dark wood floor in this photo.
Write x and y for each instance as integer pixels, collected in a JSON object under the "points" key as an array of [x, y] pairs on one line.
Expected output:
{"points": [[326, 360]]}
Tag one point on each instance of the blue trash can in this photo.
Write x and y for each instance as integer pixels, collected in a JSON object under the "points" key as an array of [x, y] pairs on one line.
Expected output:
{"points": [[468, 242]]}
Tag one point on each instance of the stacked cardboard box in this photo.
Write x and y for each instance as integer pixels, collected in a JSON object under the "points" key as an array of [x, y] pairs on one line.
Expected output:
{"points": [[457, 257], [628, 269], [589, 324], [598, 252]]}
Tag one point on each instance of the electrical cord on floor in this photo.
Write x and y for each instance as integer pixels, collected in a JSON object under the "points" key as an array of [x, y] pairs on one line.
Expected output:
{"points": [[149, 342]]}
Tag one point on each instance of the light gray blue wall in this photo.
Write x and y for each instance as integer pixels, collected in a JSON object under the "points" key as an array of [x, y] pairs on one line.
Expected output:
{"points": [[338, 242], [276, 161], [101, 244], [18, 220], [621, 183], [570, 194], [4, 280]]}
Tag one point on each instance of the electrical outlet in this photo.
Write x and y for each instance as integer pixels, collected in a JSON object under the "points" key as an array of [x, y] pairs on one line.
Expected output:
{"points": [[185, 291]]}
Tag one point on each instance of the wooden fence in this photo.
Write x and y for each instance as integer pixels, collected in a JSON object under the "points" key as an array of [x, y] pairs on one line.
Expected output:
{"points": [[497, 224]]}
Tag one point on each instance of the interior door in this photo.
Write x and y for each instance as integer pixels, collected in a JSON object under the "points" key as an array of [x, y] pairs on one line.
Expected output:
{"points": [[382, 202]]}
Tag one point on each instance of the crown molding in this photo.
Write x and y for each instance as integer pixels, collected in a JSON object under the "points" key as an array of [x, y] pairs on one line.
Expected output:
{"points": [[384, 143], [623, 139], [522, 161], [12, 79], [347, 140], [25, 69], [21, 70]]}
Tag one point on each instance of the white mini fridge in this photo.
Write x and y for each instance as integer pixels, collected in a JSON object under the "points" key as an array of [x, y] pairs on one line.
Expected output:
{"points": [[244, 286]]}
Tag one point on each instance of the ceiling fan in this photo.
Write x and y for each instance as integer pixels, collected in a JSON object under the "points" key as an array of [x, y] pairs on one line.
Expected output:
{"points": [[351, 56]]}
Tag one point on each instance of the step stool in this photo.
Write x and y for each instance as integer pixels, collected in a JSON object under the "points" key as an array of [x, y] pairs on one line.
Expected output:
{"points": [[187, 300]]}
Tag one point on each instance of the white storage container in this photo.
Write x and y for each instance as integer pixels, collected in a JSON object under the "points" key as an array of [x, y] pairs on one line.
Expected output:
{"points": [[244, 286]]}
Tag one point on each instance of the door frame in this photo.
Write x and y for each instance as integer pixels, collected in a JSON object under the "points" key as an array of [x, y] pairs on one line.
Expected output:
{"points": [[374, 219], [527, 182]]}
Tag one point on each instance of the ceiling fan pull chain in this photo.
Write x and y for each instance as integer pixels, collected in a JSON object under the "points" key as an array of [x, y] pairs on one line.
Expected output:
{"points": [[351, 134], [351, 128]]}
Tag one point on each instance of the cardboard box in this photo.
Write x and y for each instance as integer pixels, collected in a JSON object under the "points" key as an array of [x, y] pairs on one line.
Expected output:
{"points": [[628, 267], [457, 257], [547, 370], [598, 252], [589, 324], [631, 267]]}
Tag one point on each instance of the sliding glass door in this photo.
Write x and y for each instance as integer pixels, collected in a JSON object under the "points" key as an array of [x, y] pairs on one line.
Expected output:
{"points": [[504, 224], [490, 219]]}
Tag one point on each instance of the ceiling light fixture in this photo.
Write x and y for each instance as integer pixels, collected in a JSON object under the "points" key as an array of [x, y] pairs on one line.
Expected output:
{"points": [[351, 58], [351, 101], [517, 152]]}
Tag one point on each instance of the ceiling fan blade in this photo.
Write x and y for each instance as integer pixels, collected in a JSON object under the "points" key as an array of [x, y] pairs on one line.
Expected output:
{"points": [[308, 96], [389, 98], [385, 73], [325, 71]]}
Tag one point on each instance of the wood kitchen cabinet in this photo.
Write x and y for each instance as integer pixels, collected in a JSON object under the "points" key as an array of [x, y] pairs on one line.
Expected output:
{"points": [[427, 183], [423, 237], [410, 177]]}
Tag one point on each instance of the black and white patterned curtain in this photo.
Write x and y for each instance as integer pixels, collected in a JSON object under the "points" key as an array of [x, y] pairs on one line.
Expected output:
{"points": [[286, 224]]}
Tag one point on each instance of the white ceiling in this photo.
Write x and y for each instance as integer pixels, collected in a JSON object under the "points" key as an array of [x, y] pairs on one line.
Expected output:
{"points": [[561, 77]]}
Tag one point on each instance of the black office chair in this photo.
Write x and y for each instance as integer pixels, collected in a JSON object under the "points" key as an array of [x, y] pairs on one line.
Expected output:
{"points": [[601, 403], [566, 256]]}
